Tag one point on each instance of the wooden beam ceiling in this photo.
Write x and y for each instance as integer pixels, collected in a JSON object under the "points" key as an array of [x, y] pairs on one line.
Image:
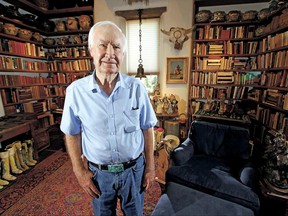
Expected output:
{"points": [[146, 13]]}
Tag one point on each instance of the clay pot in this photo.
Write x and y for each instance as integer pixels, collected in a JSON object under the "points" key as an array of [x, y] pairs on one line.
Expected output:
{"points": [[85, 22], [249, 15], [10, 29], [49, 41], [37, 37], [72, 23], [233, 16], [218, 16], [63, 41], [76, 39], [203, 16], [25, 34], [260, 30], [60, 26], [263, 14]]}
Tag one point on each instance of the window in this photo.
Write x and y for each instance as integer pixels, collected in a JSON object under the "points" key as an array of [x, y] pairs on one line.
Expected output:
{"points": [[150, 49]]}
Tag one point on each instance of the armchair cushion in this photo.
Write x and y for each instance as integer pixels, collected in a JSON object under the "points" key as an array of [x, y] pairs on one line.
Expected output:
{"points": [[213, 176], [183, 153]]}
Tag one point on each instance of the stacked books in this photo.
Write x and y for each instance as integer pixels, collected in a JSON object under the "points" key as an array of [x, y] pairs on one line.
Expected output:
{"points": [[215, 48]]}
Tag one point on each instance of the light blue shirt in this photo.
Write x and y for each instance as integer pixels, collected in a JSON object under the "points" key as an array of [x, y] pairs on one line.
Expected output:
{"points": [[110, 125]]}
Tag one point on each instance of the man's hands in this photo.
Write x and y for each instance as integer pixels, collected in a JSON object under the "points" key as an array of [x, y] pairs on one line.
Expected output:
{"points": [[149, 176], [84, 177]]}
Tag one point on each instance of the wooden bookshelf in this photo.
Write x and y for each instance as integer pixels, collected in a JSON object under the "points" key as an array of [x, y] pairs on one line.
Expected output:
{"points": [[229, 58], [34, 75]]}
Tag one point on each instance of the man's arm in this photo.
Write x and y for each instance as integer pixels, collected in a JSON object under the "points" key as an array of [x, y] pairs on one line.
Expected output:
{"points": [[80, 168], [149, 173]]}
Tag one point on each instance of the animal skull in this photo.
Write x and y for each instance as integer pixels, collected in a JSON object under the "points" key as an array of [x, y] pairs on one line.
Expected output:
{"points": [[177, 36]]}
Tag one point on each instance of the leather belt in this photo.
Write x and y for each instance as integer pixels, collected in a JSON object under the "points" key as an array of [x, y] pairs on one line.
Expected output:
{"points": [[117, 167]]}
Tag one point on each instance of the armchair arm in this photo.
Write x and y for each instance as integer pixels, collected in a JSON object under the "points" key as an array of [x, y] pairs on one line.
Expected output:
{"points": [[248, 175], [183, 152]]}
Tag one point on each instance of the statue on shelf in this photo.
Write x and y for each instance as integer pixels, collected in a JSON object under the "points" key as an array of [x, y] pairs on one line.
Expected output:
{"points": [[166, 104], [276, 162], [174, 103]]}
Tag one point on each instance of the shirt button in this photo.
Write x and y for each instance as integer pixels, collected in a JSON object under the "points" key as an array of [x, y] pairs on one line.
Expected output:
{"points": [[111, 116], [112, 133]]}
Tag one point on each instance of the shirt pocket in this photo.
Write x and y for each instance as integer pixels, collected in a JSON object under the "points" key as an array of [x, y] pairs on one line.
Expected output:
{"points": [[132, 121]]}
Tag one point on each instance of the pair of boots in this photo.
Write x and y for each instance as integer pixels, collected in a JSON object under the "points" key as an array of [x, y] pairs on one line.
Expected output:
{"points": [[17, 157]]}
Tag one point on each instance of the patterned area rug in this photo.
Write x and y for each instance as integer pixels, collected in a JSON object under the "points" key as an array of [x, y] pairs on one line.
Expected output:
{"points": [[52, 189]]}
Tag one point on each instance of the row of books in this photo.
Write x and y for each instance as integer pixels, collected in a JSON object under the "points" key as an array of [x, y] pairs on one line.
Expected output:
{"points": [[71, 52], [274, 97], [34, 107], [57, 78], [21, 48], [18, 80], [274, 119], [12, 63], [230, 63], [274, 41], [18, 95], [277, 59], [75, 65], [220, 77], [231, 92], [274, 79], [225, 33], [226, 47]]}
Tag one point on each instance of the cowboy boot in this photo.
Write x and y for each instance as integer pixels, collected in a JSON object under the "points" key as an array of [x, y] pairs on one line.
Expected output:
{"points": [[6, 166], [17, 159], [2, 181], [25, 154], [30, 151], [11, 151], [20, 155]]}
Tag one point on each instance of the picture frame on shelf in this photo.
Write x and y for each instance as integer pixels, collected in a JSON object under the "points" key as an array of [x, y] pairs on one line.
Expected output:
{"points": [[177, 70]]}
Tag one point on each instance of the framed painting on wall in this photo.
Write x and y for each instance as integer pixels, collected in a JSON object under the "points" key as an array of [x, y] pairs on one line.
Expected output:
{"points": [[177, 70]]}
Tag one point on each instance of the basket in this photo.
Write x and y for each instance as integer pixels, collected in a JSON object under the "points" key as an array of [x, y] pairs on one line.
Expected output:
{"points": [[234, 16], [10, 29], [263, 14], [203, 16], [249, 15], [218, 16], [25, 34]]}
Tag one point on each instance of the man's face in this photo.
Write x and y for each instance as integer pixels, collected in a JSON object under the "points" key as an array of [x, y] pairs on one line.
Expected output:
{"points": [[108, 50]]}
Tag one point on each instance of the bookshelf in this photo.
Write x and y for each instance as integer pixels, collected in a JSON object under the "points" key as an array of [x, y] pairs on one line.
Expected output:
{"points": [[34, 74], [241, 65]]}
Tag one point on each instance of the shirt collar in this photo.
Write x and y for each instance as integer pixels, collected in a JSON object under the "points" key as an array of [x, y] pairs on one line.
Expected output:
{"points": [[122, 82]]}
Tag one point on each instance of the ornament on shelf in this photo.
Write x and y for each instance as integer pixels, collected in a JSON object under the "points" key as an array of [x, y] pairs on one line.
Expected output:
{"points": [[275, 157]]}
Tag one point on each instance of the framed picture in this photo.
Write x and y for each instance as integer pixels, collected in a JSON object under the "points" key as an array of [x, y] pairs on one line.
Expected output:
{"points": [[177, 70]]}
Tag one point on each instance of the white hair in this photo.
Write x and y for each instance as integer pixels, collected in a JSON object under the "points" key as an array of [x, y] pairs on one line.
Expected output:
{"points": [[101, 24]]}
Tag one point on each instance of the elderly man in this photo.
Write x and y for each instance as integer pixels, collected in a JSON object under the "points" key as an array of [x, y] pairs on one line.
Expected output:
{"points": [[108, 120]]}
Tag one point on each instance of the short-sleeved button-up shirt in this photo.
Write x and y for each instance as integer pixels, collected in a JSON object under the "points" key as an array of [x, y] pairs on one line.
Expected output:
{"points": [[110, 125]]}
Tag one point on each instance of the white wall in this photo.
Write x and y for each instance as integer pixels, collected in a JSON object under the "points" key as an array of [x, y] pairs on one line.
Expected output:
{"points": [[178, 14]]}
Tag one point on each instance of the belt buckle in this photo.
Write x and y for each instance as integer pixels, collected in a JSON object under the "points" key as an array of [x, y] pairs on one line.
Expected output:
{"points": [[116, 168]]}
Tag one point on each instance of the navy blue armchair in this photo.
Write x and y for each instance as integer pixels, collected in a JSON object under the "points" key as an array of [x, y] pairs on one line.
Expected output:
{"points": [[212, 173]]}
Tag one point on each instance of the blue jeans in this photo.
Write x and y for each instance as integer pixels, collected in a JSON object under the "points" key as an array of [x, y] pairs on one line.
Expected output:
{"points": [[126, 185]]}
